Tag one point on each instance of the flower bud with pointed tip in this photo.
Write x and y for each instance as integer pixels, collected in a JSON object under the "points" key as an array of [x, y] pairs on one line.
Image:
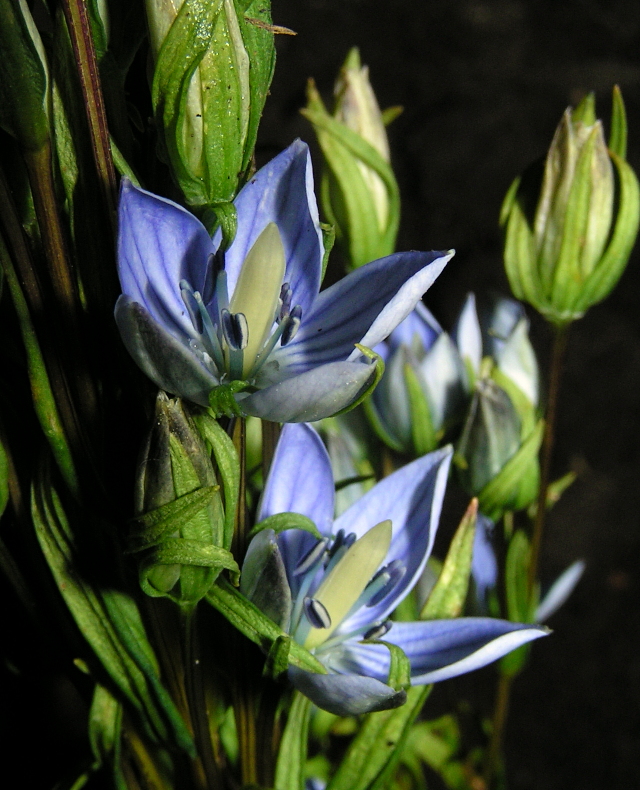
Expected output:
{"points": [[359, 192], [175, 463], [570, 229], [214, 64]]}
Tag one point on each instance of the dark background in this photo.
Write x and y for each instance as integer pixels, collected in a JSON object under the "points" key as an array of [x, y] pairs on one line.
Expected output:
{"points": [[483, 84]]}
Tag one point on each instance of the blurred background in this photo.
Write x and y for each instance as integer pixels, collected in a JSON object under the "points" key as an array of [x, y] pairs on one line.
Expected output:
{"points": [[484, 84]]}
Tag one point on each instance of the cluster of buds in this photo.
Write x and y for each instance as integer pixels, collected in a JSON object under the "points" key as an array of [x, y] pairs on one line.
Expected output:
{"points": [[359, 192], [569, 253], [481, 381]]}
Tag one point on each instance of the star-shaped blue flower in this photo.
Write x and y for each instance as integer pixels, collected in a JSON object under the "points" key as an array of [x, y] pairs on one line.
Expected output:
{"points": [[332, 594], [194, 318]]}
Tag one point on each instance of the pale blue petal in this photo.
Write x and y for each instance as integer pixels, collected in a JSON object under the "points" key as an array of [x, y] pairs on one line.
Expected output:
{"points": [[484, 565], [313, 395], [390, 400], [419, 328], [467, 334], [560, 591], [412, 498], [440, 649], [168, 362], [300, 481], [159, 244], [498, 322], [444, 377], [282, 192], [346, 695], [517, 360], [364, 307]]}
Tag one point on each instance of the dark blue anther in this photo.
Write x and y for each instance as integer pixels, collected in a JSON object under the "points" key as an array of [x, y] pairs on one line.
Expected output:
{"points": [[313, 556], [394, 572], [316, 613], [378, 630], [235, 329]]}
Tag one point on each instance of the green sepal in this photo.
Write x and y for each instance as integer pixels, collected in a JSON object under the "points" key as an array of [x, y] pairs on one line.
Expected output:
{"points": [[585, 112], [391, 113], [292, 755], [227, 220], [379, 428], [449, 593], [423, 433], [618, 134], [226, 457], [498, 493], [256, 626], [282, 521], [520, 606], [222, 402], [555, 490], [612, 264], [343, 149], [372, 757], [121, 164], [24, 80], [378, 362], [196, 555], [399, 666], [111, 624], [277, 661], [328, 240], [156, 524]]}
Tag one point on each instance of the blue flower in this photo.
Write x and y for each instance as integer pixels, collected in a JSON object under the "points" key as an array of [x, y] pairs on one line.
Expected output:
{"points": [[194, 317], [335, 594]]}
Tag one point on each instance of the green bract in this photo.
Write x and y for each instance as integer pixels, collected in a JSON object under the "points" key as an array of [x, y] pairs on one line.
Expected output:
{"points": [[570, 251], [214, 64]]}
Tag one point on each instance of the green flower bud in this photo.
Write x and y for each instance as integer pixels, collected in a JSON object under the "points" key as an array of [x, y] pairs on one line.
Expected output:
{"points": [[24, 77], [497, 453], [214, 64], [179, 510], [570, 251], [359, 192]]}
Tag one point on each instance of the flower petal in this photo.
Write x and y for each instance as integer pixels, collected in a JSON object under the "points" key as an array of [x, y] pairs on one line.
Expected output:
{"points": [[168, 362], [440, 649], [300, 481], [159, 244], [282, 192], [320, 392], [467, 334], [412, 498], [420, 324], [346, 695], [444, 376], [364, 307], [560, 591]]}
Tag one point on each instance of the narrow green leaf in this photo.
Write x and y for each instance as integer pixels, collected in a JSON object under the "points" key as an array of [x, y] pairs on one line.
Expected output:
{"points": [[328, 240], [292, 755], [278, 657], [516, 584], [450, 591], [399, 665]]}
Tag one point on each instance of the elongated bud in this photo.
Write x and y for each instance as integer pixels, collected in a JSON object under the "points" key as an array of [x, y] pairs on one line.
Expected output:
{"points": [[570, 251], [179, 510], [359, 191], [24, 77], [214, 64]]}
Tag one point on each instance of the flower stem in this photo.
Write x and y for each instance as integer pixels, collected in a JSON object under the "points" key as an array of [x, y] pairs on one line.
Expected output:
{"points": [[207, 774], [270, 436], [555, 373], [497, 732]]}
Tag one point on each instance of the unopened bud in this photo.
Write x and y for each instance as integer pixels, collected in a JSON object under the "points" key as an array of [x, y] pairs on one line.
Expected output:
{"points": [[570, 252]]}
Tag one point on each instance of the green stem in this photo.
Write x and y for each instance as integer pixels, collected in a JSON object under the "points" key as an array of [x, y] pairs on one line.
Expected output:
{"points": [[497, 731], [79, 27], [207, 775], [270, 436], [555, 373]]}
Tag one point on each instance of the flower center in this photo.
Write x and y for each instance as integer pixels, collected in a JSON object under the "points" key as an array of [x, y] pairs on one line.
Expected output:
{"points": [[234, 338], [344, 583]]}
